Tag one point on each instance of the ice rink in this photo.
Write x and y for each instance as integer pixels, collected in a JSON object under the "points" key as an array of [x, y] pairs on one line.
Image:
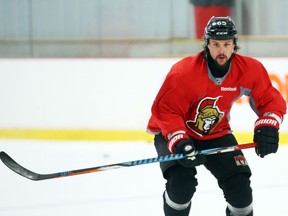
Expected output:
{"points": [[122, 192]]}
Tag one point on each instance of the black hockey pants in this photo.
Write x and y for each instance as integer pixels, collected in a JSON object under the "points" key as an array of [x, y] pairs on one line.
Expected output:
{"points": [[230, 169]]}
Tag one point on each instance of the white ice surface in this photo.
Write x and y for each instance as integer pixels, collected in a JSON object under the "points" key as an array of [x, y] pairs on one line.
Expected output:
{"points": [[125, 191]]}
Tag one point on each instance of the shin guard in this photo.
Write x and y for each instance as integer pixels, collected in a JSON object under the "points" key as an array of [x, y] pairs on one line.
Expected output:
{"points": [[246, 211], [174, 209]]}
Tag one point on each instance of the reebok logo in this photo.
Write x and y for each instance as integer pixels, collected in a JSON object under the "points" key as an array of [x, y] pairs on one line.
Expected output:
{"points": [[228, 88]]}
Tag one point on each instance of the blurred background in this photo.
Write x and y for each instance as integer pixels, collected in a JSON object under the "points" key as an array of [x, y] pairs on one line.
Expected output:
{"points": [[135, 28], [77, 81], [90, 69]]}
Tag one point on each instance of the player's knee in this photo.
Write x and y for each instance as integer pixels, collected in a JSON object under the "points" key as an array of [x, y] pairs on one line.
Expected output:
{"points": [[238, 194], [237, 190], [181, 183], [233, 211], [172, 208]]}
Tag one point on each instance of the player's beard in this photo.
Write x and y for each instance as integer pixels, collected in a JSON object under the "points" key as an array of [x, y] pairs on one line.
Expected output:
{"points": [[222, 58]]}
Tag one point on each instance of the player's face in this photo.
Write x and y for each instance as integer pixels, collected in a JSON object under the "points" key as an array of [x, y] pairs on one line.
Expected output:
{"points": [[221, 50]]}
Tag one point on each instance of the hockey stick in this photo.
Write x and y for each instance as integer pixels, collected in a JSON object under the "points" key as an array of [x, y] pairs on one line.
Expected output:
{"points": [[13, 165]]}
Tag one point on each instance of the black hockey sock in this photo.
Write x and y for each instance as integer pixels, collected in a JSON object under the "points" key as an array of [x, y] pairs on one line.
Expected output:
{"points": [[172, 212], [228, 213], [169, 211]]}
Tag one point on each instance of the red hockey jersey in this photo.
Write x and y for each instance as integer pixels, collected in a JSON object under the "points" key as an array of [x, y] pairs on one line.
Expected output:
{"points": [[192, 100]]}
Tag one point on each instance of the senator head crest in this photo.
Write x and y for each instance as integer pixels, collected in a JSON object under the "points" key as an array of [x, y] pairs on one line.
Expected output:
{"points": [[207, 116]]}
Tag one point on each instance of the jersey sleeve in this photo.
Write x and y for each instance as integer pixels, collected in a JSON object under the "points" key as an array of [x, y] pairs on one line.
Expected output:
{"points": [[171, 103], [264, 97]]}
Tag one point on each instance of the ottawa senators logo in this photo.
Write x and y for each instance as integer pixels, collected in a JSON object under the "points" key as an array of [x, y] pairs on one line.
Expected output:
{"points": [[207, 117], [240, 160]]}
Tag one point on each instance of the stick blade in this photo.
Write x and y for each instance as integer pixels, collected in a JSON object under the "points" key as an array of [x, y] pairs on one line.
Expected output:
{"points": [[17, 168]]}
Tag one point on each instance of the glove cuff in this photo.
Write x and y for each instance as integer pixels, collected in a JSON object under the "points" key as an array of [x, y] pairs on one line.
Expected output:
{"points": [[266, 121], [174, 140]]}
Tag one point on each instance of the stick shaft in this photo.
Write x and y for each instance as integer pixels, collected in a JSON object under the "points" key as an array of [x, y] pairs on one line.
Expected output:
{"points": [[16, 167], [229, 149]]}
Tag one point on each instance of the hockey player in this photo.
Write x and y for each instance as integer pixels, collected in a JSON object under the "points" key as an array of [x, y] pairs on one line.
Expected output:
{"points": [[192, 110]]}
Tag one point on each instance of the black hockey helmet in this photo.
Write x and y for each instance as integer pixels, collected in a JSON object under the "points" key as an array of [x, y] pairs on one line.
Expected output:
{"points": [[220, 28]]}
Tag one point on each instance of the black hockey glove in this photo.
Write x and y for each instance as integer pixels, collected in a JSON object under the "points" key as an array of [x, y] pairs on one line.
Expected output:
{"points": [[181, 144], [266, 136]]}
